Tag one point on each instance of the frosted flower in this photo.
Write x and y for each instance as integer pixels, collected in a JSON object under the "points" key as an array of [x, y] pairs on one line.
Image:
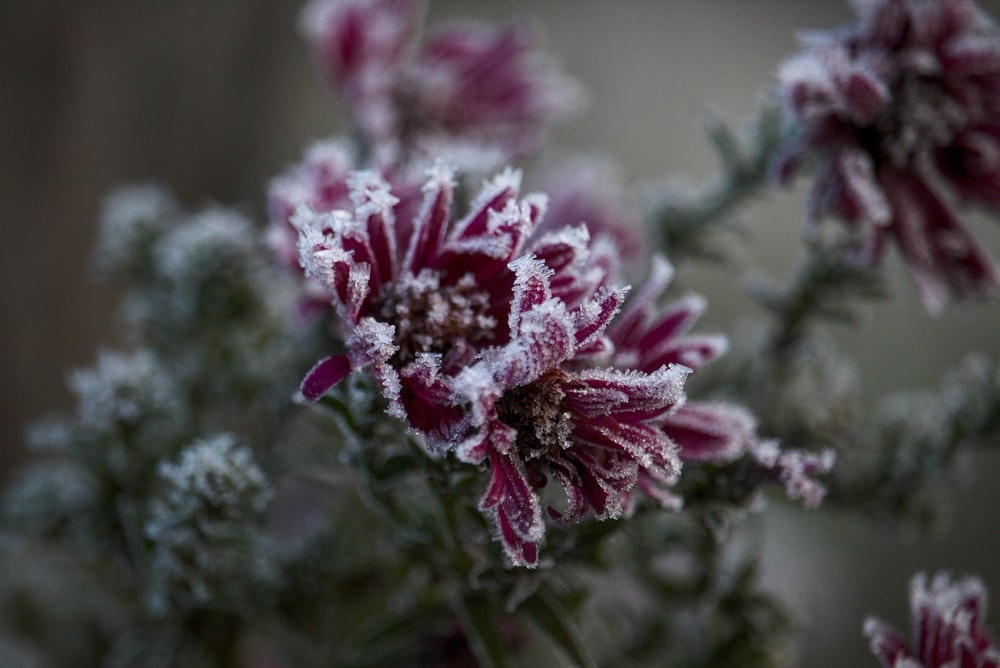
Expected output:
{"points": [[205, 530], [898, 104], [539, 409], [320, 182], [464, 82], [416, 306], [646, 338], [948, 628]]}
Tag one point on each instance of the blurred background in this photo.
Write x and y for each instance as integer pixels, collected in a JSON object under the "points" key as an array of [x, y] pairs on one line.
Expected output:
{"points": [[212, 99]]}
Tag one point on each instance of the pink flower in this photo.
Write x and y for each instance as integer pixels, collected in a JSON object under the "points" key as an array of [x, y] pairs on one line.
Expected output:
{"points": [[361, 47], [320, 182], [541, 406], [947, 628], [466, 84], [591, 191], [905, 100], [416, 302]]}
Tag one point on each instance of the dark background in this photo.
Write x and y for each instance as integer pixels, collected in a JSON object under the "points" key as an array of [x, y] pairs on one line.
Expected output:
{"points": [[212, 99]]}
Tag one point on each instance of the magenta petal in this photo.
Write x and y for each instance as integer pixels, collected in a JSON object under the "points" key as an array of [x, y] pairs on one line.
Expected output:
{"points": [[886, 644], [940, 254], [709, 432], [327, 373]]}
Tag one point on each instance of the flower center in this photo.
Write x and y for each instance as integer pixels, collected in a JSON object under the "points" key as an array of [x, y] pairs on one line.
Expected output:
{"points": [[536, 411], [431, 318], [922, 118]]}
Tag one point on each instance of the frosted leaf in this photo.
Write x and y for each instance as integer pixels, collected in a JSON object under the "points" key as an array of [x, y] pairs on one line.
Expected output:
{"points": [[192, 251], [50, 496]]}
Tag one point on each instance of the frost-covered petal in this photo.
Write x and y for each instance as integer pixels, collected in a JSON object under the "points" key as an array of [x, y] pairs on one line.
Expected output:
{"points": [[324, 375], [707, 431]]}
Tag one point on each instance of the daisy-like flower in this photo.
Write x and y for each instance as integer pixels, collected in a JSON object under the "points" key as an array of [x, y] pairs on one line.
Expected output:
{"points": [[948, 628], [902, 102], [465, 83], [541, 406], [418, 301]]}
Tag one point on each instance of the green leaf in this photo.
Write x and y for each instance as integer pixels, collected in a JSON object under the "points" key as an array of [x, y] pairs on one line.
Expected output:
{"points": [[550, 618]]}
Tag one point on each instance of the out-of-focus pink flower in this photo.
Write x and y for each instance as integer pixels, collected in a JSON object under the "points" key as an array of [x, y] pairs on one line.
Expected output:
{"points": [[590, 191], [948, 629], [903, 101], [361, 46], [466, 85]]}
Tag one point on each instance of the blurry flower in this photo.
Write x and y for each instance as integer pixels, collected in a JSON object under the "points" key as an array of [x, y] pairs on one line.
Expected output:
{"points": [[206, 530], [903, 101], [947, 628], [590, 191], [466, 83]]}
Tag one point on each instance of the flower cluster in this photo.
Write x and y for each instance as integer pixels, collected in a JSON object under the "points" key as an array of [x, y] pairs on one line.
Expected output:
{"points": [[947, 628], [903, 101], [464, 86], [496, 342]]}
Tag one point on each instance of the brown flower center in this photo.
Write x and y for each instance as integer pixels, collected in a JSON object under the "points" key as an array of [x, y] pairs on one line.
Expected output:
{"points": [[922, 118], [431, 318], [536, 411]]}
